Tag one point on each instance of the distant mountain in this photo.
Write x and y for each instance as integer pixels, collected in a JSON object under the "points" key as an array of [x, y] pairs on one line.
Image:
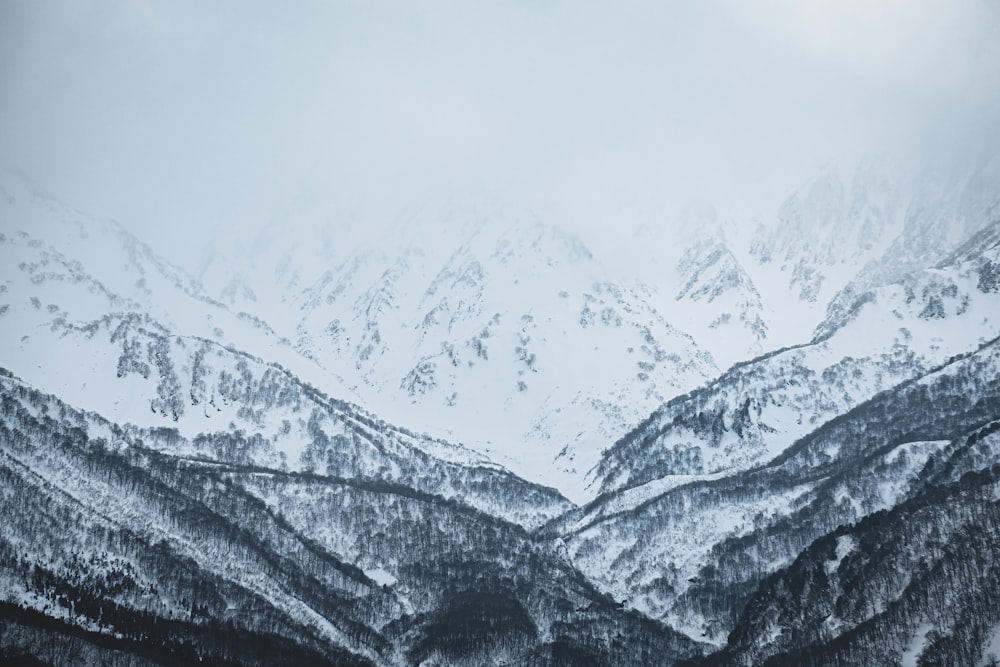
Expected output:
{"points": [[758, 408], [717, 290], [467, 321], [832, 226], [501, 332]]}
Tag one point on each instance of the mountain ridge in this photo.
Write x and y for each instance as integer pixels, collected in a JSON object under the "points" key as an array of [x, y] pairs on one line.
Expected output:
{"points": [[216, 435]]}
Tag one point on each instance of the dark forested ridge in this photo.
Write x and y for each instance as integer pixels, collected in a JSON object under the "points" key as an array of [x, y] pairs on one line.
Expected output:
{"points": [[919, 582], [120, 553]]}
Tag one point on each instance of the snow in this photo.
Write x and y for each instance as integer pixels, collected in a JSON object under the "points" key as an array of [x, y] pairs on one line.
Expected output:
{"points": [[845, 545], [991, 650], [916, 646], [416, 307], [916, 455], [631, 498], [833, 625], [418, 299], [380, 577]]}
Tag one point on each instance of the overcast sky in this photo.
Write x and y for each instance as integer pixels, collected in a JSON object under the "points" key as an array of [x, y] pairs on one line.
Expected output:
{"points": [[178, 113]]}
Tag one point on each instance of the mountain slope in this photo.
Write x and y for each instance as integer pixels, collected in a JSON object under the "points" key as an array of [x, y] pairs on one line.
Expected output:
{"points": [[717, 290], [499, 331], [72, 335], [141, 545], [759, 408], [916, 584], [690, 549], [722, 486], [78, 267]]}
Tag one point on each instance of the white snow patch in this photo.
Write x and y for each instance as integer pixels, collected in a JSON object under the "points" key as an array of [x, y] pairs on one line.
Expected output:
{"points": [[845, 545], [380, 576], [916, 646], [991, 651]]}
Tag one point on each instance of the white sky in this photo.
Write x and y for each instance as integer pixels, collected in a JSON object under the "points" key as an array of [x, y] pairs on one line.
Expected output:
{"points": [[171, 115]]}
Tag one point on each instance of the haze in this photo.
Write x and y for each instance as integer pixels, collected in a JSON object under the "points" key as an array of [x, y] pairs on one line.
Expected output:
{"points": [[175, 116]]}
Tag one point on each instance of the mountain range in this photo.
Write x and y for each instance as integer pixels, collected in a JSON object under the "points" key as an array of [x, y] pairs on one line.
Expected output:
{"points": [[482, 438]]}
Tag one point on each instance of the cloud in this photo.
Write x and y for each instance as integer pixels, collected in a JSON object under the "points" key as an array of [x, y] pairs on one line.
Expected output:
{"points": [[167, 114]]}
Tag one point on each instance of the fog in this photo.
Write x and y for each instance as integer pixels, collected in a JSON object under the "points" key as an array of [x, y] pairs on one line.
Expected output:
{"points": [[174, 116]]}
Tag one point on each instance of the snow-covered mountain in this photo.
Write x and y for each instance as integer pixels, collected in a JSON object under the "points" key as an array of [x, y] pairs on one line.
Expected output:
{"points": [[745, 287], [70, 334], [831, 226], [476, 438], [487, 325], [717, 289], [496, 330], [758, 408], [188, 500], [725, 485]]}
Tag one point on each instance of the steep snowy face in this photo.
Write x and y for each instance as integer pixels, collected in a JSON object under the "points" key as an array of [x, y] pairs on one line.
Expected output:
{"points": [[842, 233], [61, 246], [265, 268], [829, 228], [742, 287], [944, 210], [516, 341], [718, 299], [71, 267]]}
